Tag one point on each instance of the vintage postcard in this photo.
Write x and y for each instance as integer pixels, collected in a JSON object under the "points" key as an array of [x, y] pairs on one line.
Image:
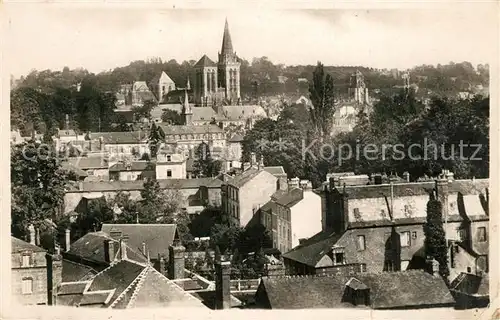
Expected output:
{"points": [[207, 161]]}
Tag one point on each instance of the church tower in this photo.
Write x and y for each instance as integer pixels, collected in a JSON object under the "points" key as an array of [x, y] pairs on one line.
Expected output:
{"points": [[187, 112], [205, 87], [358, 91], [229, 68]]}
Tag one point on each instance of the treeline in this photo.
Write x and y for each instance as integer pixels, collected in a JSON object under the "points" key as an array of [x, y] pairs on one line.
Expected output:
{"points": [[400, 134]]}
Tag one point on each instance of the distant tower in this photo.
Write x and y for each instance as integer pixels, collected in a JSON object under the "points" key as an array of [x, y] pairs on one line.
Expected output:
{"points": [[357, 89], [229, 68], [205, 81], [187, 112]]}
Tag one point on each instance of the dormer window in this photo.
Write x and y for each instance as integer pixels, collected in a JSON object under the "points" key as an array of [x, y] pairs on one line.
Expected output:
{"points": [[337, 256], [26, 262]]}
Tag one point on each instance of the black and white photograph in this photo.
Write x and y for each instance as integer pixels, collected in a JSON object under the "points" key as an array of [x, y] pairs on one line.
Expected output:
{"points": [[207, 159]]}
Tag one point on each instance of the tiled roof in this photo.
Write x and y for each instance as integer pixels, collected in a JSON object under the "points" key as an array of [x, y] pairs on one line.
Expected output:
{"points": [[471, 284], [278, 194], [378, 191], [90, 247], [101, 186], [128, 137], [236, 138], [158, 237], [205, 62], [313, 249], [72, 287], [158, 291], [235, 113], [88, 162], [208, 299], [72, 271], [66, 133], [277, 170], [245, 177], [189, 129], [291, 198], [19, 245], [201, 114], [387, 290], [134, 166]]}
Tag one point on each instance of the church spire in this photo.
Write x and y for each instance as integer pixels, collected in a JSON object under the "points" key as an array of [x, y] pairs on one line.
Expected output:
{"points": [[227, 45], [188, 85], [187, 113]]}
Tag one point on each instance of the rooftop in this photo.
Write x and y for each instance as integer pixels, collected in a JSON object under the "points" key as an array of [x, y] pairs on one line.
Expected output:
{"points": [[189, 129], [291, 198], [129, 137], [19, 246]]}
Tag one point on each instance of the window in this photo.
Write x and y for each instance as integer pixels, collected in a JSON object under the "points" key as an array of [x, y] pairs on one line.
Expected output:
{"points": [[461, 234], [339, 258], [405, 238], [361, 243], [414, 235], [169, 173], [26, 260], [388, 265], [27, 286], [481, 234], [357, 215], [362, 267], [169, 158], [90, 172], [388, 241]]}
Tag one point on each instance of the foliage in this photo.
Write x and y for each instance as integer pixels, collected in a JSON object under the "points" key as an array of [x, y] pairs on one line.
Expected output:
{"points": [[435, 238], [144, 111], [37, 186], [204, 164], [171, 116], [323, 100], [155, 138]]}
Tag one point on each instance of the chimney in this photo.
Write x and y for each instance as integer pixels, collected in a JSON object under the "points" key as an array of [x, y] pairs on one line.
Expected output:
{"points": [[109, 250], [406, 176], [144, 249], [162, 265], [222, 285], [54, 276], [283, 183], [261, 162], [377, 179], [442, 194], [253, 159], [80, 185], [31, 229], [68, 239], [294, 183], [123, 247], [176, 263], [449, 176], [432, 266]]}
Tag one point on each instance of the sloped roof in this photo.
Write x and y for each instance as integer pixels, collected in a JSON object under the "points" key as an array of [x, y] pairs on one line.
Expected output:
{"points": [[245, 177], [140, 85], [158, 237], [235, 113], [102, 186], [236, 138], [227, 44], [205, 62], [388, 290], [90, 247], [276, 170], [291, 198], [134, 166], [471, 284], [313, 249], [200, 114], [72, 271], [128, 137], [66, 132], [88, 162], [19, 245]]}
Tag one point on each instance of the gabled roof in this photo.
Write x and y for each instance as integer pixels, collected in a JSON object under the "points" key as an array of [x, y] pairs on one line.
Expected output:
{"points": [[471, 284], [157, 237], [72, 271], [235, 113], [90, 248], [205, 62], [313, 249], [276, 170], [245, 177], [227, 44], [387, 290], [134, 166], [291, 198], [19, 246], [88, 162], [236, 138]]}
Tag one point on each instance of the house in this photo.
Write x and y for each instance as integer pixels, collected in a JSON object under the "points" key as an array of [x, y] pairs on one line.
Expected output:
{"points": [[141, 93], [32, 271], [243, 195], [162, 85], [363, 221], [170, 166], [127, 283], [183, 138], [150, 239], [195, 192], [132, 170], [292, 215], [234, 152], [413, 289], [96, 168], [122, 145]]}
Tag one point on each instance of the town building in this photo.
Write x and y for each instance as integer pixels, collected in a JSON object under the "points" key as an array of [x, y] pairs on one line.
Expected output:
{"points": [[132, 170], [366, 220], [162, 85], [414, 289], [292, 215], [33, 272], [96, 168]]}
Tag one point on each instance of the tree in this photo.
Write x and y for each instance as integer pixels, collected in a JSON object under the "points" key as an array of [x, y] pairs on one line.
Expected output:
{"points": [[144, 111], [321, 91], [98, 212], [171, 116], [37, 185], [435, 238], [156, 136], [204, 164]]}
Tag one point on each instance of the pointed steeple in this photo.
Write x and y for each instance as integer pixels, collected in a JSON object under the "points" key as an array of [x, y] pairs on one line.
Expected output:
{"points": [[188, 85], [227, 44], [186, 109]]}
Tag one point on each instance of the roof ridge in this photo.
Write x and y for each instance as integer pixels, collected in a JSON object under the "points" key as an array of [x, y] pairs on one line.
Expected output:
{"points": [[139, 280], [126, 290], [169, 281]]}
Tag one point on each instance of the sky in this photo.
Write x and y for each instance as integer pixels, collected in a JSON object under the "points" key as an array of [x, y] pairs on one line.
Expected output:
{"points": [[105, 37]]}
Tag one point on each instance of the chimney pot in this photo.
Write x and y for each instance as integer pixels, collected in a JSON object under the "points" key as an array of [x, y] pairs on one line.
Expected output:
{"points": [[223, 285], [31, 229], [123, 247], [109, 250], [176, 265], [253, 159], [68, 239]]}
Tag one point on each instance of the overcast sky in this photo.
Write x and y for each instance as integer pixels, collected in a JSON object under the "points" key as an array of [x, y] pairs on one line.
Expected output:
{"points": [[109, 37]]}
